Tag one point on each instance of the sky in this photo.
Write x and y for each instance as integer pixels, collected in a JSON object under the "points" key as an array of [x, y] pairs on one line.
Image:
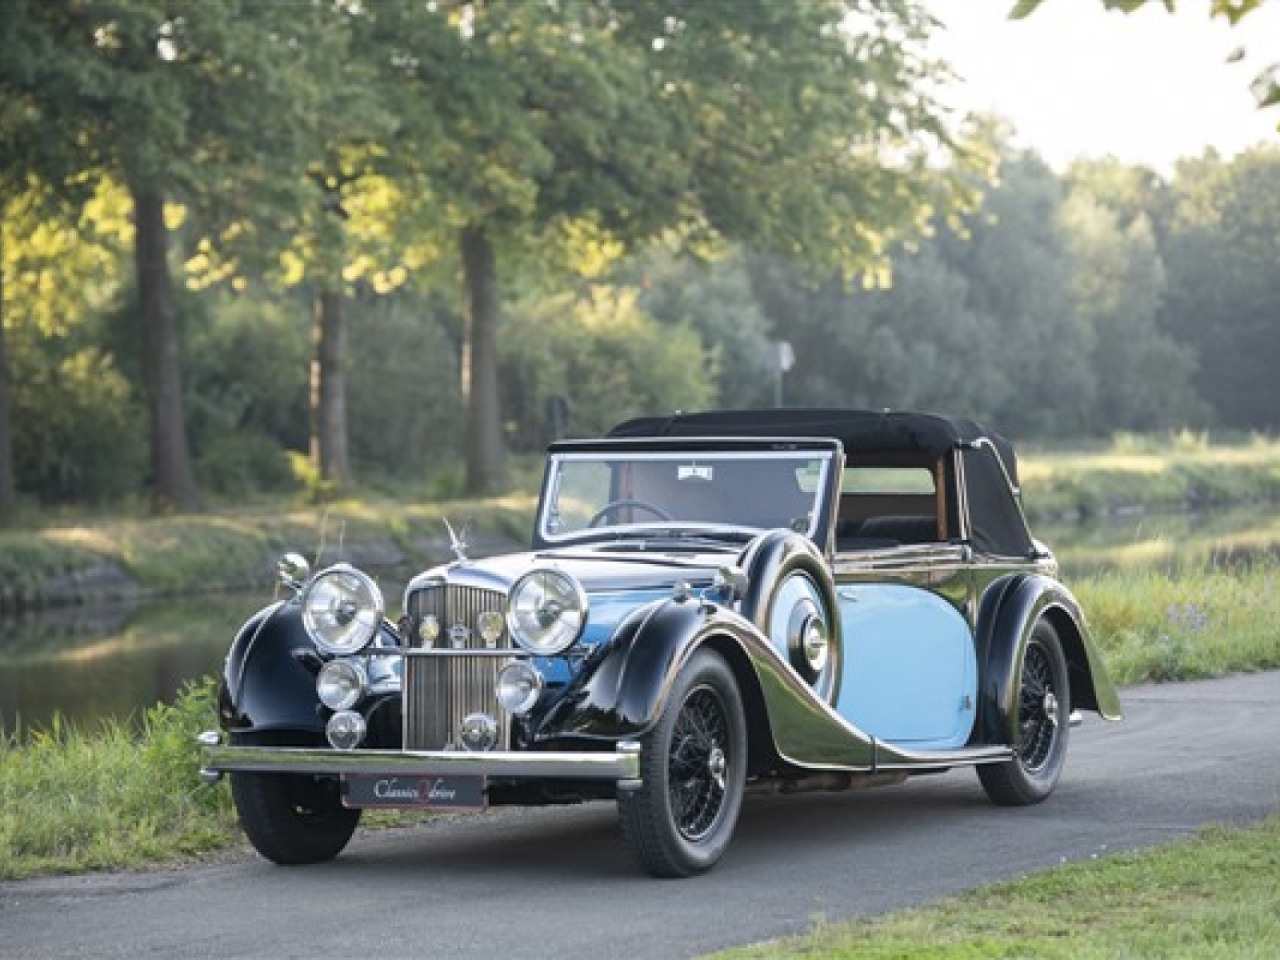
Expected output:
{"points": [[1078, 80]]}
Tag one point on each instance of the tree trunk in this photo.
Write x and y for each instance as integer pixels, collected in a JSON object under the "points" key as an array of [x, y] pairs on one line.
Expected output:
{"points": [[329, 389], [485, 474], [8, 487], [173, 486]]}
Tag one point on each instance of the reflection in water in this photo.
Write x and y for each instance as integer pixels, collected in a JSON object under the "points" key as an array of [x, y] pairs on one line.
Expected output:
{"points": [[86, 666]]}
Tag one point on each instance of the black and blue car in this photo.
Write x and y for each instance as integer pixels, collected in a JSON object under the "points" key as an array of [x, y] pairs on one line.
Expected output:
{"points": [[714, 604]]}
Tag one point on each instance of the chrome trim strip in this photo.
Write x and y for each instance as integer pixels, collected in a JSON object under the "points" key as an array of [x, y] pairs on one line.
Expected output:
{"points": [[890, 757], [624, 765]]}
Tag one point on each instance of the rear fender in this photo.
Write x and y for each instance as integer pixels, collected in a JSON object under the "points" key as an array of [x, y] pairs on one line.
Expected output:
{"points": [[1010, 610]]}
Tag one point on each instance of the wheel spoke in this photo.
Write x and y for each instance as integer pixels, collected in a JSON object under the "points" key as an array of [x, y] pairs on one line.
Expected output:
{"points": [[698, 763]]}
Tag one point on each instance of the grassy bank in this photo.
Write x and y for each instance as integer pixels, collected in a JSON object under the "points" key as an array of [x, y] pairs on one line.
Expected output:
{"points": [[72, 800], [1185, 624], [68, 563], [1211, 897], [1185, 471]]}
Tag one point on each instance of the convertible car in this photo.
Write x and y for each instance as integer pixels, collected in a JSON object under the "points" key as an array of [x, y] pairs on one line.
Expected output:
{"points": [[714, 604]]}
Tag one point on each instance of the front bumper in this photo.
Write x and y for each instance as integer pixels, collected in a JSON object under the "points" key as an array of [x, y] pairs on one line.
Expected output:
{"points": [[622, 765]]}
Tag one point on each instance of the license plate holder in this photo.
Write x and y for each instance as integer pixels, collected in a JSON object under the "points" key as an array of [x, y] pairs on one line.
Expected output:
{"points": [[459, 792]]}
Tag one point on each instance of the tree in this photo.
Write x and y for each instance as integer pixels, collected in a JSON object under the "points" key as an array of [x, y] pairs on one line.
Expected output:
{"points": [[1220, 257], [213, 103], [803, 128], [1144, 378], [41, 151]]}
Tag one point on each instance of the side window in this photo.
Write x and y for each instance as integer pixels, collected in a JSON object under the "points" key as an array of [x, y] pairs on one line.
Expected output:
{"points": [[887, 505]]}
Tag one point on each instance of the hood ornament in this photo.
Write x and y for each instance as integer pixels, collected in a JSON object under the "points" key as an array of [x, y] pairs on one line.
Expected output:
{"points": [[457, 541]]}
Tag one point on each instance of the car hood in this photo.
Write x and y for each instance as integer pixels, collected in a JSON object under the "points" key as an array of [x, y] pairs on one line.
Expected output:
{"points": [[598, 569]]}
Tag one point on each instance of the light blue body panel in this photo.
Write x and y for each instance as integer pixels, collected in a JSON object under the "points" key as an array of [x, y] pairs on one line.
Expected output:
{"points": [[910, 669]]}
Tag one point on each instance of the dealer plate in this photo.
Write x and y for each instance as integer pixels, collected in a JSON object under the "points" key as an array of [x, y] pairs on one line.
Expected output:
{"points": [[451, 793]]}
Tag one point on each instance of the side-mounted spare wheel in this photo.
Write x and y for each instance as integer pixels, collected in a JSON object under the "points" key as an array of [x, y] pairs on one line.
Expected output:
{"points": [[1043, 725], [693, 768]]}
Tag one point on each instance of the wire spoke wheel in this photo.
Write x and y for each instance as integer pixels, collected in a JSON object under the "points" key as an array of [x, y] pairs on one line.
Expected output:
{"points": [[698, 763], [680, 818], [1041, 727]]}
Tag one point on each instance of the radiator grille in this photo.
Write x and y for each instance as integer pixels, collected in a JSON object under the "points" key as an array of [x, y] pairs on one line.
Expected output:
{"points": [[444, 685], [442, 688]]}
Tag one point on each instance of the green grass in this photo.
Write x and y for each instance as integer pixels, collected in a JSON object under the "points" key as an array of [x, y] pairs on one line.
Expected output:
{"points": [[1210, 897], [177, 554], [74, 800], [1185, 624]]}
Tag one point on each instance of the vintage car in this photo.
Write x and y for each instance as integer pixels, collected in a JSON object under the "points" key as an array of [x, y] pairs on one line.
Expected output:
{"points": [[715, 604]]}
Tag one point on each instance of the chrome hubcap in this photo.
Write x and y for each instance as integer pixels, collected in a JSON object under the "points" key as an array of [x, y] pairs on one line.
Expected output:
{"points": [[717, 766], [1051, 709]]}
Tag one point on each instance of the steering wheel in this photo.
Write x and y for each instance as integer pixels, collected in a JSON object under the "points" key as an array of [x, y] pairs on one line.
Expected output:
{"points": [[615, 505]]}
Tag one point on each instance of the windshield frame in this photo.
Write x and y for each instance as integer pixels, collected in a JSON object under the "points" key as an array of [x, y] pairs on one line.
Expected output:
{"points": [[829, 453]]}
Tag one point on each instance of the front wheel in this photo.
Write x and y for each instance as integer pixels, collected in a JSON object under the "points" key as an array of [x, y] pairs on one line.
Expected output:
{"points": [[1044, 708], [693, 768], [292, 818]]}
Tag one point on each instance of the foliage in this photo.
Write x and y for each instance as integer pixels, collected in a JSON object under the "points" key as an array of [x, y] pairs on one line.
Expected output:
{"points": [[74, 800], [1182, 625], [604, 356], [404, 409], [77, 427]]}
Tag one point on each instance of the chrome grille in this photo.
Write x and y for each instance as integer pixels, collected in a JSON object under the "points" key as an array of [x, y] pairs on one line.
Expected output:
{"points": [[444, 685], [440, 689], [458, 606]]}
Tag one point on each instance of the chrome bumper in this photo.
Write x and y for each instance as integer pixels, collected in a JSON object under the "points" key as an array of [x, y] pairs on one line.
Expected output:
{"points": [[623, 765]]}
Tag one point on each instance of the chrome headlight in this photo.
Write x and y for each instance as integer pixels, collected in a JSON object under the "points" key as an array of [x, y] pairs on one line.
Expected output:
{"points": [[342, 609], [546, 611], [341, 684], [518, 687]]}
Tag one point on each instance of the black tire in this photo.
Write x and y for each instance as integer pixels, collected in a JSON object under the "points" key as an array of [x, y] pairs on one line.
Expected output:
{"points": [[1044, 709], [693, 767], [293, 819]]}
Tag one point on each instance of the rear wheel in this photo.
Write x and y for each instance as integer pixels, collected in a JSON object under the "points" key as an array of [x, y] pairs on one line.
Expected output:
{"points": [[1044, 707], [292, 818], [693, 768]]}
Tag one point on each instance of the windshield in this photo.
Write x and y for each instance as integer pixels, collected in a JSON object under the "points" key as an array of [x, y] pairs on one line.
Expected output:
{"points": [[714, 492]]}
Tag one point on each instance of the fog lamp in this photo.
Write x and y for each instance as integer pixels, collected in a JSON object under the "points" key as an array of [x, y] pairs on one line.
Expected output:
{"points": [[518, 687], [478, 732], [345, 730], [341, 684]]}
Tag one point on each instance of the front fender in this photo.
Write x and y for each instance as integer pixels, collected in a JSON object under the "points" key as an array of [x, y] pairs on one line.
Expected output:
{"points": [[623, 686], [1009, 611], [269, 680]]}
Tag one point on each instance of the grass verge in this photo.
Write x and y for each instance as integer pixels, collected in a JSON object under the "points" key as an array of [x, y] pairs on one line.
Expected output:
{"points": [[72, 800], [1210, 897], [1185, 623]]}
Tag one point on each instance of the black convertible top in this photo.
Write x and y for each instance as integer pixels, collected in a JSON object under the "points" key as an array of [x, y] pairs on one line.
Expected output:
{"points": [[880, 430]]}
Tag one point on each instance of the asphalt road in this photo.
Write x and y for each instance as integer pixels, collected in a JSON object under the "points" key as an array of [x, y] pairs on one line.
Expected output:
{"points": [[556, 882]]}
